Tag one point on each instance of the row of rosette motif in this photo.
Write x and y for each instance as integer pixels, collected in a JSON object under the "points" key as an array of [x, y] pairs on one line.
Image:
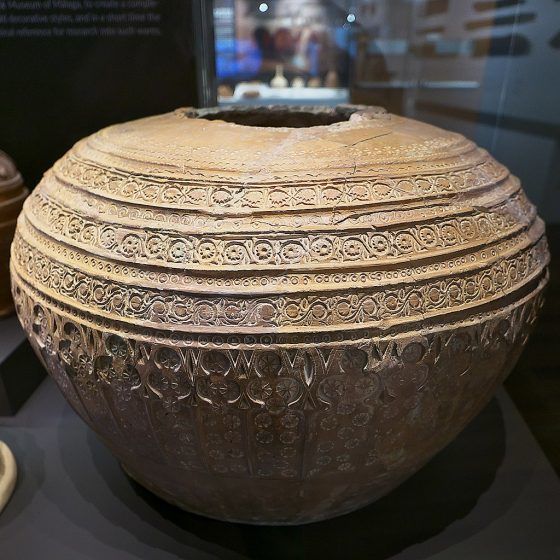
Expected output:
{"points": [[96, 206], [407, 302], [130, 187], [215, 338], [375, 245], [288, 281]]}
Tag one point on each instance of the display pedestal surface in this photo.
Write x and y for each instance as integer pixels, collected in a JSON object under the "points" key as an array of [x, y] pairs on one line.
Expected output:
{"points": [[20, 370], [490, 494]]}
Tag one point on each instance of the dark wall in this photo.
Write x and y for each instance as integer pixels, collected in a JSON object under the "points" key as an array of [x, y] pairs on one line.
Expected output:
{"points": [[62, 81]]}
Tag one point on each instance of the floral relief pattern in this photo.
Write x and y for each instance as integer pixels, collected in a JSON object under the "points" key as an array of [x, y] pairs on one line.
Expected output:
{"points": [[122, 300], [319, 248], [253, 419], [279, 325], [121, 185]]}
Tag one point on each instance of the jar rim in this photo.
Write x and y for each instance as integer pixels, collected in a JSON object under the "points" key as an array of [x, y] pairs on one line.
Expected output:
{"points": [[285, 116]]}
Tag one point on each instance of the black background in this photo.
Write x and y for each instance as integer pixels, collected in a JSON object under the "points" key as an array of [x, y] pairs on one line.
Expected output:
{"points": [[55, 90]]}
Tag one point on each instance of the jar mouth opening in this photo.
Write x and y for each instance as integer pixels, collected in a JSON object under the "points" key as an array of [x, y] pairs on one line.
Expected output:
{"points": [[280, 116]]}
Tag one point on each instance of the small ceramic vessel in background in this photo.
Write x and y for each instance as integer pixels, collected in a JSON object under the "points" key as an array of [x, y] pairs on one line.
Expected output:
{"points": [[8, 475], [12, 194]]}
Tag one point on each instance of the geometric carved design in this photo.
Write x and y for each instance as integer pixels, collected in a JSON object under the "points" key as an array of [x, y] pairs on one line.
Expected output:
{"points": [[271, 323]]}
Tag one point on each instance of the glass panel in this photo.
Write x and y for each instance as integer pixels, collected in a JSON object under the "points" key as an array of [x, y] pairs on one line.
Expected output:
{"points": [[487, 69]]}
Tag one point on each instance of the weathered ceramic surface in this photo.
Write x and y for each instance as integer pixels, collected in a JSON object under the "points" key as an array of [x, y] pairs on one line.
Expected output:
{"points": [[12, 195], [8, 474], [277, 325]]}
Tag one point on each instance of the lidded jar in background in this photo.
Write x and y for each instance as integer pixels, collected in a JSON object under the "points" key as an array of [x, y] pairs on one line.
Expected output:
{"points": [[12, 195]]}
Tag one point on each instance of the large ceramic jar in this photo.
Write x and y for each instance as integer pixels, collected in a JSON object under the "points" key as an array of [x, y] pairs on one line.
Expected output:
{"points": [[12, 195], [276, 315]]}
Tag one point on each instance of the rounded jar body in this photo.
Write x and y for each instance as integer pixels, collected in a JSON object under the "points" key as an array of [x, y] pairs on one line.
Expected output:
{"points": [[272, 315]]}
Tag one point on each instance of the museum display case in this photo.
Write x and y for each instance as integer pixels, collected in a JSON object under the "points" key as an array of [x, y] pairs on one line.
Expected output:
{"points": [[485, 69], [294, 263]]}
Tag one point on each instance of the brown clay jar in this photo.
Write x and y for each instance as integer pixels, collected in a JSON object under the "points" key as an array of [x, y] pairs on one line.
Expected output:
{"points": [[277, 315]]}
